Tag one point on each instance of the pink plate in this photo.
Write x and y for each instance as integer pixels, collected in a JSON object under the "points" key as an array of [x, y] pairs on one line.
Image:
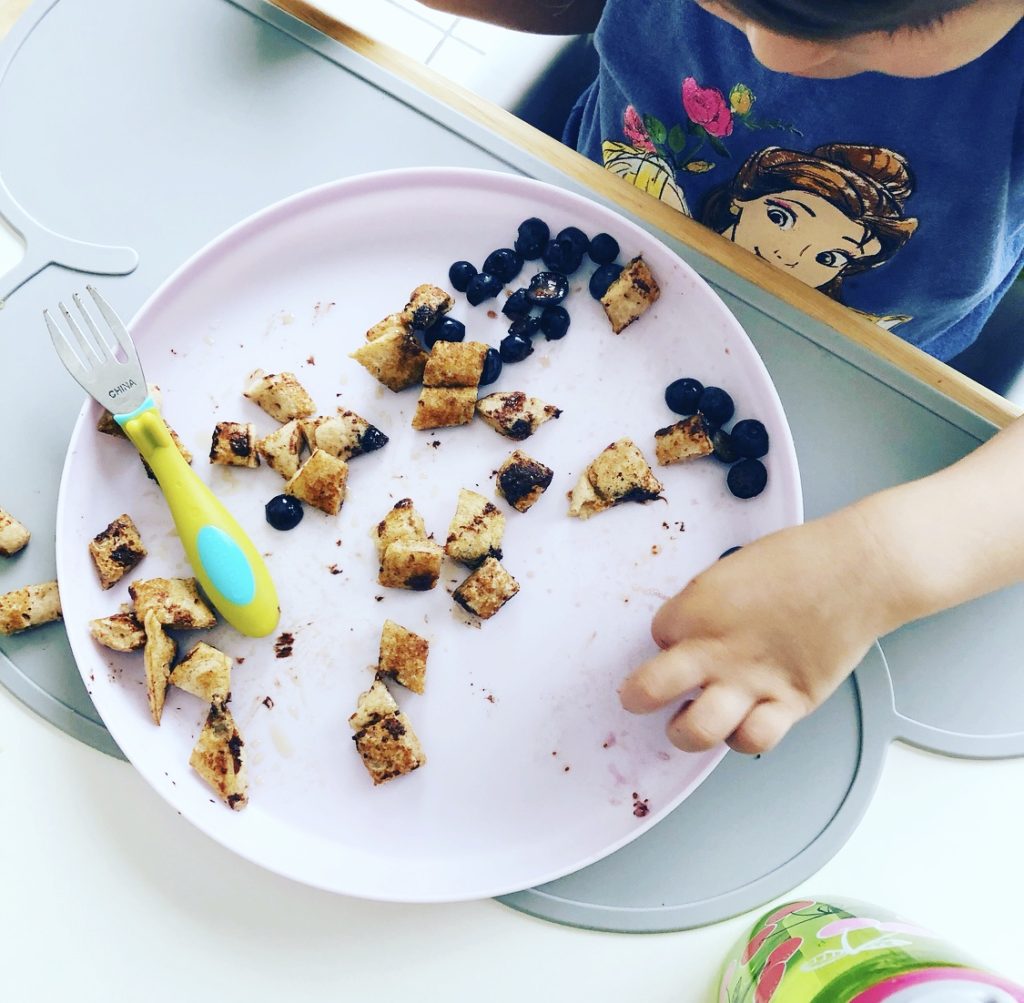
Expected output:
{"points": [[533, 767]]}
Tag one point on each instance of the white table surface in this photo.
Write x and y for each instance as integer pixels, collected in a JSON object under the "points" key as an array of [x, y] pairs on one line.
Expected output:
{"points": [[106, 894]]}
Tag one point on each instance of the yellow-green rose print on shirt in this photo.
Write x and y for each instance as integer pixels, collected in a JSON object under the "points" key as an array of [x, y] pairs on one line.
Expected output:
{"points": [[654, 155]]}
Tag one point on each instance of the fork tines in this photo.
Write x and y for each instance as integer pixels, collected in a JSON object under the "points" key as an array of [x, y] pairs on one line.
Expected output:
{"points": [[87, 352]]}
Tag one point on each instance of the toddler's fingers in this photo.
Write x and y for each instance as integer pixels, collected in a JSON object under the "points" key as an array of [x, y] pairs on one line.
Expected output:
{"points": [[709, 719], [666, 677], [669, 624], [763, 728]]}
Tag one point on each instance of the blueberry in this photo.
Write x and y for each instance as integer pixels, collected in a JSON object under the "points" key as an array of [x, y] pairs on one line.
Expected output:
{"points": [[562, 256], [725, 448], [483, 286], [504, 264], [554, 322], [682, 396], [603, 249], [372, 439], [548, 288], [579, 240], [524, 327], [747, 478], [533, 238], [446, 329], [492, 367], [515, 348], [750, 438], [716, 405], [517, 305], [726, 553], [602, 278], [460, 273], [283, 512]]}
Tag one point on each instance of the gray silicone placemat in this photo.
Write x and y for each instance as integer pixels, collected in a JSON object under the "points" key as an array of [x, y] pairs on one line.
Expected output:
{"points": [[230, 107]]}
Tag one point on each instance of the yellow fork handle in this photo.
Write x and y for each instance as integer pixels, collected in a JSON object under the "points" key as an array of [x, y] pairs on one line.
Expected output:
{"points": [[226, 564]]}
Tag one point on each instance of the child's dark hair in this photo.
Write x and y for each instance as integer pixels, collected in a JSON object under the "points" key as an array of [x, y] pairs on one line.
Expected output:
{"points": [[825, 19]]}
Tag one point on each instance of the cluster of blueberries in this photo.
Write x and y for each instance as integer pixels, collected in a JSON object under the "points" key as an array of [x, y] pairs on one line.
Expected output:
{"points": [[535, 308], [742, 447]]}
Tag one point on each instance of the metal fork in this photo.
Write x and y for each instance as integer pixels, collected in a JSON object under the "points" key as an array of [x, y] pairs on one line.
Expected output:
{"points": [[118, 384], [227, 565]]}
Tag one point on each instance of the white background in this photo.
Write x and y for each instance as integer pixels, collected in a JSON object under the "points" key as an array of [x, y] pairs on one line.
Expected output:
{"points": [[108, 895]]}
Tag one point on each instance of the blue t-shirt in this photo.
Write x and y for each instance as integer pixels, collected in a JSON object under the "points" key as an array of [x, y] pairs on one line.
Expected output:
{"points": [[901, 198]]}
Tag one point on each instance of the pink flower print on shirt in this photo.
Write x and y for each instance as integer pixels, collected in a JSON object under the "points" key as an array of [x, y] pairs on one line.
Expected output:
{"points": [[656, 156], [636, 133], [707, 107]]}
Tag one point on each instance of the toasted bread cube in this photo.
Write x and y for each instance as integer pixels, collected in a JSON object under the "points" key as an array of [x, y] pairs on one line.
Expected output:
{"points": [[403, 656], [621, 472], [584, 501], [685, 440], [204, 672], [486, 590], [320, 482], [234, 444], [444, 407], [403, 522], [455, 364], [426, 305], [389, 748], [13, 535], [392, 323], [31, 606], [108, 426], [383, 736], [182, 448], [515, 415], [281, 395], [618, 474], [374, 704], [631, 295], [343, 435], [158, 655], [411, 564], [522, 480], [120, 632], [281, 449], [475, 531], [219, 758], [395, 359], [116, 550], [175, 601]]}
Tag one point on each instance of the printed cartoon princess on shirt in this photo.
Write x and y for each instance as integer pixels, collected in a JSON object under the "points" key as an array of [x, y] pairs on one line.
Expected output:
{"points": [[822, 216]]}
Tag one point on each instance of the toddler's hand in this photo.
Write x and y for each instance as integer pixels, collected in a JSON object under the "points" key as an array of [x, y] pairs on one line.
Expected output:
{"points": [[767, 633]]}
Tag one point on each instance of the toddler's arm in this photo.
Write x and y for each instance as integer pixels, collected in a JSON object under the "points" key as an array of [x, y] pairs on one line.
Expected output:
{"points": [[771, 630], [545, 17]]}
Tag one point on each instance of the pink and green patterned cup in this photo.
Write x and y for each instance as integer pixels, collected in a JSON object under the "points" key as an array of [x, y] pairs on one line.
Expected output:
{"points": [[816, 952]]}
